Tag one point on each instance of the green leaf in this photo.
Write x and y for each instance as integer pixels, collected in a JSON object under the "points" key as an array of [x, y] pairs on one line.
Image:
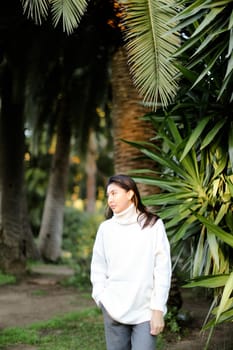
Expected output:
{"points": [[230, 145], [208, 18], [227, 291], [208, 281], [165, 161], [187, 73], [219, 232], [213, 245], [210, 36], [229, 220], [210, 136], [208, 67], [198, 259], [226, 316], [168, 198], [183, 229], [229, 65], [174, 130], [168, 185], [195, 136], [228, 306], [229, 181], [222, 212]]}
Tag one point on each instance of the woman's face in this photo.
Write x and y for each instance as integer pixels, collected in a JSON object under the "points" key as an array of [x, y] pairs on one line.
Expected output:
{"points": [[118, 198]]}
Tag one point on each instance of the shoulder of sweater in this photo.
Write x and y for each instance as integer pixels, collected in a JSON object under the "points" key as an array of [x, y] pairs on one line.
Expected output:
{"points": [[158, 227], [105, 223], [159, 222]]}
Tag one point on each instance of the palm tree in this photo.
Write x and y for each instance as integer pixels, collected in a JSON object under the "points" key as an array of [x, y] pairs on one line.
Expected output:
{"points": [[149, 39], [16, 237], [127, 124]]}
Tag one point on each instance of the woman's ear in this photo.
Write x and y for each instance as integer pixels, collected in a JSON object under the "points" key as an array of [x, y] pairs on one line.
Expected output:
{"points": [[130, 194]]}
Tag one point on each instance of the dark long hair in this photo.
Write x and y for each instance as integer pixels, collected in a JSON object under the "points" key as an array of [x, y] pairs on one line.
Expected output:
{"points": [[128, 184]]}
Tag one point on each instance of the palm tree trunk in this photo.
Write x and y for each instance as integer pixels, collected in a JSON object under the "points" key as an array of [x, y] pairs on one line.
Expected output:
{"points": [[127, 111], [15, 243], [50, 236], [127, 125]]}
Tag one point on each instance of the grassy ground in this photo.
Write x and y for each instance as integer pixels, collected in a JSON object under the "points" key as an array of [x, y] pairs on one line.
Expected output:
{"points": [[78, 330], [83, 330], [26, 303]]}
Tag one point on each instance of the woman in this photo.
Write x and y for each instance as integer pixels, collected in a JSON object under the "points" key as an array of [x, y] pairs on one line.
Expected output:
{"points": [[130, 269]]}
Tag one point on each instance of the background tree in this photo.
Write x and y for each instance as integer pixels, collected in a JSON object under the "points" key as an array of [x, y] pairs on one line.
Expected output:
{"points": [[74, 80], [16, 237], [50, 237]]}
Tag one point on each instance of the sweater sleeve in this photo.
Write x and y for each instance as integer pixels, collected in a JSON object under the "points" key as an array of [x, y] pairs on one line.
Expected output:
{"points": [[162, 269], [98, 267]]}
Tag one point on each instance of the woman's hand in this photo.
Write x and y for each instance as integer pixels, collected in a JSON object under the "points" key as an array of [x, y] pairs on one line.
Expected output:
{"points": [[157, 322]]}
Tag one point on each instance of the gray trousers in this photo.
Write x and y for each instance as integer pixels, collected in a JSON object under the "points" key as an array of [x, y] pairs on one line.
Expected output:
{"points": [[127, 337]]}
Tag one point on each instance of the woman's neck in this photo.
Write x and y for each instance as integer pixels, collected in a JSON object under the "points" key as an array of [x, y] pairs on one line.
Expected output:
{"points": [[127, 216]]}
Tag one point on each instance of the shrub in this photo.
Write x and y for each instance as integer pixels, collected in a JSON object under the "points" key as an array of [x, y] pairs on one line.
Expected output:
{"points": [[79, 234]]}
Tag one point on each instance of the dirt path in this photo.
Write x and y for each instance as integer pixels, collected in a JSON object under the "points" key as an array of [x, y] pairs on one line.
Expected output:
{"points": [[41, 297]]}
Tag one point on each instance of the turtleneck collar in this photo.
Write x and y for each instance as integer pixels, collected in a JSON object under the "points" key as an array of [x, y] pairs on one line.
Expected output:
{"points": [[127, 216]]}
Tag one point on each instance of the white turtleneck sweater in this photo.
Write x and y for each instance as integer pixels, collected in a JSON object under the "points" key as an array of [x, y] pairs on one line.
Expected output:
{"points": [[131, 268]]}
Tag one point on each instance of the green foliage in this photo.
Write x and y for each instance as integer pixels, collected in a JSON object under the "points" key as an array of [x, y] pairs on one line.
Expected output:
{"points": [[196, 180], [79, 234], [208, 33], [7, 279], [36, 188], [172, 322]]}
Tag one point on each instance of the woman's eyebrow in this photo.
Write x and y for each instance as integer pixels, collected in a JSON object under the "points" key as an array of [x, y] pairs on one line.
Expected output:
{"points": [[112, 191]]}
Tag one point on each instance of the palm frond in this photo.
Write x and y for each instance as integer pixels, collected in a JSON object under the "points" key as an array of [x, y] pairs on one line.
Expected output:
{"points": [[36, 9], [69, 11], [150, 44]]}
